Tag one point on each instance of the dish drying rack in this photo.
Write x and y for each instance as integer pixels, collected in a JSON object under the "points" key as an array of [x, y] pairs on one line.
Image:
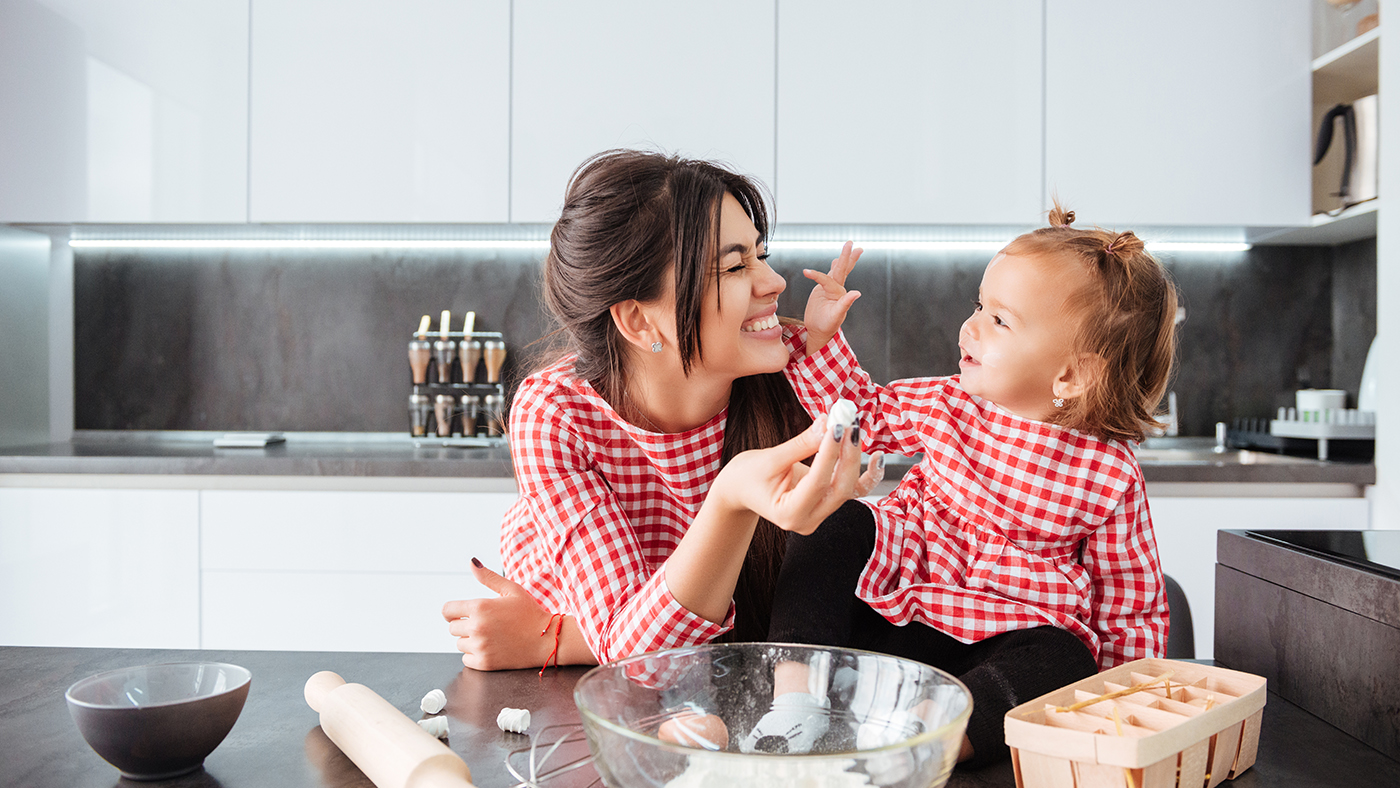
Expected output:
{"points": [[1152, 723], [1324, 425]]}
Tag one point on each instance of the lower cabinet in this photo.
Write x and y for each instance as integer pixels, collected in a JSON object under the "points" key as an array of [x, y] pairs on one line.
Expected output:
{"points": [[1186, 528], [103, 568], [341, 571], [240, 569]]}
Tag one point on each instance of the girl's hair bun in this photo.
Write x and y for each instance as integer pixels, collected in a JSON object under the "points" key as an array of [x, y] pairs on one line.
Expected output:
{"points": [[1124, 243], [1060, 217]]}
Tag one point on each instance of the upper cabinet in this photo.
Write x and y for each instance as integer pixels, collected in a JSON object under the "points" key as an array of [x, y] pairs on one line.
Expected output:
{"points": [[371, 112], [123, 111], [687, 78], [1186, 113], [909, 112]]}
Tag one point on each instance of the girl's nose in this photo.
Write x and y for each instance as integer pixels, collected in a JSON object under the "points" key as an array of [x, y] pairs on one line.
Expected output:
{"points": [[969, 328]]}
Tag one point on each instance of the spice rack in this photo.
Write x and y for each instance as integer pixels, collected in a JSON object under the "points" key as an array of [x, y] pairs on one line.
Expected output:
{"points": [[449, 404], [1152, 723]]}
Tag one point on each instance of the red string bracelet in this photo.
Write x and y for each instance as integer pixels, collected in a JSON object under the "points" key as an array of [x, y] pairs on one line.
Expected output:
{"points": [[557, 629]]}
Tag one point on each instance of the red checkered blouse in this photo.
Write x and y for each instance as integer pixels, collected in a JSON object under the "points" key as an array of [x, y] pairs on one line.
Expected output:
{"points": [[603, 504], [1006, 523]]}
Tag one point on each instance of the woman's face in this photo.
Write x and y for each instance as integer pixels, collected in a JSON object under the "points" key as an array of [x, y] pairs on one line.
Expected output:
{"points": [[1020, 335], [739, 331]]}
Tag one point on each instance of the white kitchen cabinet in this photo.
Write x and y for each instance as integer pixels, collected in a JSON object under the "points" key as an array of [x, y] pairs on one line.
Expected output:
{"points": [[99, 568], [1185, 529], [354, 571], [1189, 113], [909, 112], [694, 79], [371, 112], [123, 111]]}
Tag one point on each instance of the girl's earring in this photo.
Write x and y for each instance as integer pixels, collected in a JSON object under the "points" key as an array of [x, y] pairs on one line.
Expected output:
{"points": [[656, 347], [1059, 402]]}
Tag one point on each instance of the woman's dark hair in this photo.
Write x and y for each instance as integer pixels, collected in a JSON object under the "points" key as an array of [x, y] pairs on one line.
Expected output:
{"points": [[630, 218]]}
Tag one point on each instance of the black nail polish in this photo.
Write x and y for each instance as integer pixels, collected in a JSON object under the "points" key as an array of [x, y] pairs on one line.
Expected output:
{"points": [[855, 436], [837, 432], [477, 564], [880, 461]]}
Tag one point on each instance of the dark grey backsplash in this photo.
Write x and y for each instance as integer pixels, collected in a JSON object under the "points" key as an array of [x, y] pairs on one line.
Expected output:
{"points": [[315, 340]]}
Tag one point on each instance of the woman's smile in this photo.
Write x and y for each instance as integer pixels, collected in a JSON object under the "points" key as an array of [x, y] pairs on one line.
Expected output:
{"points": [[764, 326]]}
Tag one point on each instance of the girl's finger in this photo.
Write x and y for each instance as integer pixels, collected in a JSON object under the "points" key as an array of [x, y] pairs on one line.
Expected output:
{"points": [[874, 474], [842, 266], [830, 285]]}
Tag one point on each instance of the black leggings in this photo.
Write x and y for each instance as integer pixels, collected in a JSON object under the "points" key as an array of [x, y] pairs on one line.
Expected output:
{"points": [[815, 603]]}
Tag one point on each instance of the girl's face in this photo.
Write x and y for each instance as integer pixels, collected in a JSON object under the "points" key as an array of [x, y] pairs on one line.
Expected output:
{"points": [[740, 335], [1020, 336]]}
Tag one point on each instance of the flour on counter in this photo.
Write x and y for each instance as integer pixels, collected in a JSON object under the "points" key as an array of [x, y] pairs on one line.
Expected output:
{"points": [[707, 771]]}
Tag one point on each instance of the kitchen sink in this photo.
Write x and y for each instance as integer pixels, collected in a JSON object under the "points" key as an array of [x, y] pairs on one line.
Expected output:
{"points": [[1212, 457], [1202, 451]]}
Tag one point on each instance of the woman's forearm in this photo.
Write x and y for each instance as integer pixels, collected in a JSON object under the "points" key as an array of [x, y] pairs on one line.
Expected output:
{"points": [[703, 570]]}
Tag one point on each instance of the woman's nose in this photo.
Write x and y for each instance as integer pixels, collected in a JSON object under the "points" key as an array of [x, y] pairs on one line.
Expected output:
{"points": [[769, 283]]}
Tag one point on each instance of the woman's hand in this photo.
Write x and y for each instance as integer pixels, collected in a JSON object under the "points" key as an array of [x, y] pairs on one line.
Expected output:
{"points": [[504, 633], [775, 485], [829, 301]]}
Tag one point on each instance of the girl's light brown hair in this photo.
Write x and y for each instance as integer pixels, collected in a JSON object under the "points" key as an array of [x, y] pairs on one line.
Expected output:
{"points": [[1127, 316], [631, 220]]}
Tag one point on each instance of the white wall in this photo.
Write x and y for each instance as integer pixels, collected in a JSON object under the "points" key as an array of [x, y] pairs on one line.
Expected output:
{"points": [[1385, 503]]}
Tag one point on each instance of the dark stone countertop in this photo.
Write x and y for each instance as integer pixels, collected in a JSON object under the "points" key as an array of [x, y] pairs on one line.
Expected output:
{"points": [[1188, 462], [278, 739], [293, 458]]}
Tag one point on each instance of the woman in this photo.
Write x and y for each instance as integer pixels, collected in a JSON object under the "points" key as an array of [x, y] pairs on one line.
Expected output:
{"points": [[641, 454]]}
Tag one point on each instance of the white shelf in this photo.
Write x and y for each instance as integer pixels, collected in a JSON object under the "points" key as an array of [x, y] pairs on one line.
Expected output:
{"points": [[1348, 72], [1353, 224]]}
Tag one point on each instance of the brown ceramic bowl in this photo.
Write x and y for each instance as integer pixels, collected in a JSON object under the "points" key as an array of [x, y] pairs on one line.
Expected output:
{"points": [[158, 721]]}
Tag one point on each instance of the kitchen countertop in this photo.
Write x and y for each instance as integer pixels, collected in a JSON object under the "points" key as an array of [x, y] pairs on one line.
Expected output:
{"points": [[278, 740], [1183, 461]]}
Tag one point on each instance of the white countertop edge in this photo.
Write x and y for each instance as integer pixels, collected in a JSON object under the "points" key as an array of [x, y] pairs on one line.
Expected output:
{"points": [[1255, 490], [130, 481]]}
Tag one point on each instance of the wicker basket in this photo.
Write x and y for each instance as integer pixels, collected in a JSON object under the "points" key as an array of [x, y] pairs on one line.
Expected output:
{"points": [[1153, 723]]}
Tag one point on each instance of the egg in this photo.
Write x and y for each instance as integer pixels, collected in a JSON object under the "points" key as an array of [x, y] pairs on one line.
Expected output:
{"points": [[705, 731]]}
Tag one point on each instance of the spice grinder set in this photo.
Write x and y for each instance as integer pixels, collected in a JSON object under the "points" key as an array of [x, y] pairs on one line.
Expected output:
{"points": [[450, 397]]}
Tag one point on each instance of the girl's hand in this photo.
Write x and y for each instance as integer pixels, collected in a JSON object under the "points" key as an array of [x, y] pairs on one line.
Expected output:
{"points": [[829, 301], [775, 485], [503, 633]]}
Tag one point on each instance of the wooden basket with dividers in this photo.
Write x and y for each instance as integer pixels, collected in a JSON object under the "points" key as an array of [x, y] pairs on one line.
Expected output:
{"points": [[1153, 723]]}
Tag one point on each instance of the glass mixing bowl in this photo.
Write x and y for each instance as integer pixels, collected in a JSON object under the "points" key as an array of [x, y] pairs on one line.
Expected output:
{"points": [[889, 721]]}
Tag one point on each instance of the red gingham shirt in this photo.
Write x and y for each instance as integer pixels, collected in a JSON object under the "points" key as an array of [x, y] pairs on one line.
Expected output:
{"points": [[1006, 523], [603, 504]]}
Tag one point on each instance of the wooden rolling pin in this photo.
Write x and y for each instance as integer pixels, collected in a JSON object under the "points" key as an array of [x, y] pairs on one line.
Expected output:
{"points": [[388, 747]]}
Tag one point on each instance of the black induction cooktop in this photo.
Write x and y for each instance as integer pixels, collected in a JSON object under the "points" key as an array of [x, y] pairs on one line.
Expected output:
{"points": [[1373, 551]]}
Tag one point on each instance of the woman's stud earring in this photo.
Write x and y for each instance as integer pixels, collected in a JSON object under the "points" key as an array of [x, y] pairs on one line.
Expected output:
{"points": [[656, 347], [1059, 402]]}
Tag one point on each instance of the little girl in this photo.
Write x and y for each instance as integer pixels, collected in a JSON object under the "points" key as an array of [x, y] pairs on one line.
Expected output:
{"points": [[1018, 553]]}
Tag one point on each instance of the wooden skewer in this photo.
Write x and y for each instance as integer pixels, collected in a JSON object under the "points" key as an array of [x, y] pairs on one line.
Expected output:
{"points": [[1118, 694], [423, 326], [1118, 726]]}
